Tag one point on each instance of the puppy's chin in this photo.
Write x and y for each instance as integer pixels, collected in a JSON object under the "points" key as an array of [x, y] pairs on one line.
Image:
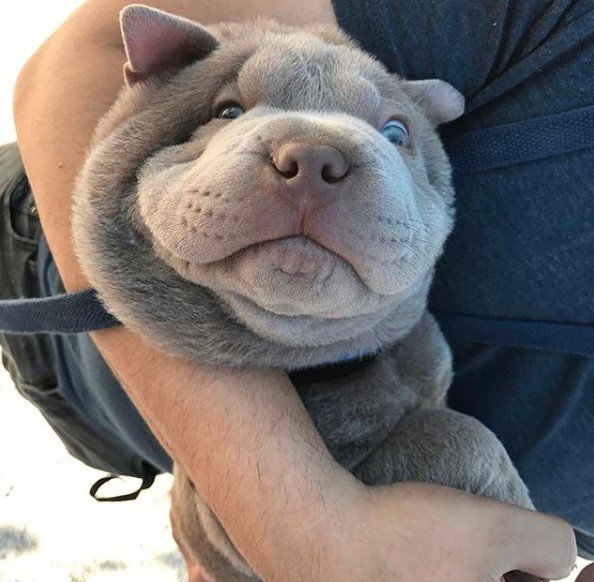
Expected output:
{"points": [[300, 331], [291, 291], [295, 276], [297, 293]]}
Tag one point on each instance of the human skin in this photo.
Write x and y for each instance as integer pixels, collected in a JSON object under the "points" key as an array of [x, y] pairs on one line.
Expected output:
{"points": [[243, 436]]}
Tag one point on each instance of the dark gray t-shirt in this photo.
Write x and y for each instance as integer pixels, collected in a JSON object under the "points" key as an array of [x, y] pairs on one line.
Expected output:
{"points": [[523, 245]]}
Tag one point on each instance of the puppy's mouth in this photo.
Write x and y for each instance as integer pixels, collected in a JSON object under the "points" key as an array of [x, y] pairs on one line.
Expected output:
{"points": [[290, 276], [296, 256]]}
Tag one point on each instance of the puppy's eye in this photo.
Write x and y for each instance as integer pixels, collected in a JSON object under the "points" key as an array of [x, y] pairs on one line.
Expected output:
{"points": [[396, 132], [230, 111]]}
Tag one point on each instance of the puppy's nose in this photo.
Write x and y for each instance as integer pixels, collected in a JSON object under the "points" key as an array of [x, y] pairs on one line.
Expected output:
{"points": [[314, 162]]}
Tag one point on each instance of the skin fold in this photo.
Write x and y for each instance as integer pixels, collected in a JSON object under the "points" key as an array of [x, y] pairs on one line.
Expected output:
{"points": [[294, 234]]}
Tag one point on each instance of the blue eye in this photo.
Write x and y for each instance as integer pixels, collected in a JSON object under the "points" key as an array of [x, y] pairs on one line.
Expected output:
{"points": [[230, 111], [396, 133]]}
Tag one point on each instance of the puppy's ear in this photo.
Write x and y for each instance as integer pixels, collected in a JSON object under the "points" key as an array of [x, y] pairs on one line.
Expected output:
{"points": [[157, 42], [439, 99]]}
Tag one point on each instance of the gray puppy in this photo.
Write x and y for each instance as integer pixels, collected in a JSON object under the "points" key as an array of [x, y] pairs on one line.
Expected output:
{"points": [[271, 197]]}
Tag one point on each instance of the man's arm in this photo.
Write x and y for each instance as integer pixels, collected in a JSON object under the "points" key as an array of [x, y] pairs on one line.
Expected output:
{"points": [[257, 436], [244, 438]]}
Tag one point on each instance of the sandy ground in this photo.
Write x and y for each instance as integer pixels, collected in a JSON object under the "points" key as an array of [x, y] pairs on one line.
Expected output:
{"points": [[51, 530]]}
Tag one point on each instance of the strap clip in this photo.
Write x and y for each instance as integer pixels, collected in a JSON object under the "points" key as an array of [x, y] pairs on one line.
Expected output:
{"points": [[147, 480]]}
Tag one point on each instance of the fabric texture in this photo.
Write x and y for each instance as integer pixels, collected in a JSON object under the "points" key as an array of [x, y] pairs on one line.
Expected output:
{"points": [[91, 389], [523, 245]]}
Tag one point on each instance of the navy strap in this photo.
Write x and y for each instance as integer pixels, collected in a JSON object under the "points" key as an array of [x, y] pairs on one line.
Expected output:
{"points": [[83, 312], [526, 141], [63, 314], [537, 335]]}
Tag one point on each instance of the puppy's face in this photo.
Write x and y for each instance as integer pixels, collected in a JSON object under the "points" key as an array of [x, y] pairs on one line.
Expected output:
{"points": [[314, 194]]}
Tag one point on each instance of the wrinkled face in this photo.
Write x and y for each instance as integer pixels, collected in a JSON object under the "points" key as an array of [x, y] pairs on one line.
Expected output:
{"points": [[308, 196]]}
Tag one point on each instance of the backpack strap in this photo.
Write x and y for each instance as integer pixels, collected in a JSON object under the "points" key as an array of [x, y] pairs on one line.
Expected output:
{"points": [[536, 335], [148, 478], [82, 312], [526, 141], [61, 314]]}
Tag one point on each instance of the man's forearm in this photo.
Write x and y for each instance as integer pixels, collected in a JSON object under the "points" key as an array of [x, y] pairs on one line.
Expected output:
{"points": [[250, 448], [244, 438]]}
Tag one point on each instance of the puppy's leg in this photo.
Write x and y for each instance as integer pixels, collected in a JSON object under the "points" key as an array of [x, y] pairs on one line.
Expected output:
{"points": [[182, 515], [209, 553], [195, 572], [445, 447]]}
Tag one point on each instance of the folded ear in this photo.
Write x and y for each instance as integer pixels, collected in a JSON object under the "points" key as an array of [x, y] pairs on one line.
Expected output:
{"points": [[441, 101], [157, 42]]}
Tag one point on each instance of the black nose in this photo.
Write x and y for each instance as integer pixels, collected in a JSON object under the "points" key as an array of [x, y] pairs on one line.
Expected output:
{"points": [[311, 161]]}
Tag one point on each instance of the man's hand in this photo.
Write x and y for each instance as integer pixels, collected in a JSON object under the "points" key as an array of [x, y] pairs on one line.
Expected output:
{"points": [[443, 534], [244, 437]]}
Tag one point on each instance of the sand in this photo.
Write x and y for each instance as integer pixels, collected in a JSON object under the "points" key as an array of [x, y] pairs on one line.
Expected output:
{"points": [[51, 530]]}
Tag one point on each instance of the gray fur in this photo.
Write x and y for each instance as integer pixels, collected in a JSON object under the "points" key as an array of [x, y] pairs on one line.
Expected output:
{"points": [[189, 236]]}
